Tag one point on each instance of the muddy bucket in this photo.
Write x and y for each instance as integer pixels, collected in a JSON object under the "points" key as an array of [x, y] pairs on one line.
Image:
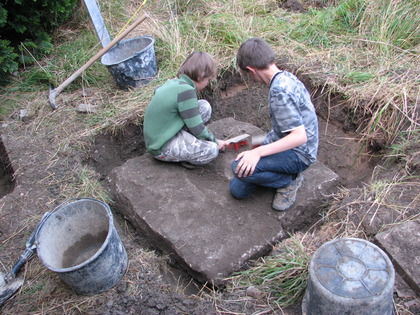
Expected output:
{"points": [[79, 242], [349, 276], [132, 62]]}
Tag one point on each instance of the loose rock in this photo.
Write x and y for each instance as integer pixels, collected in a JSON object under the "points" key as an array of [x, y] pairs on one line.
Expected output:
{"points": [[253, 291], [87, 108]]}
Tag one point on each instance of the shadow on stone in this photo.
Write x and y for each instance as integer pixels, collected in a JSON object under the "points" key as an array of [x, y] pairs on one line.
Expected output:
{"points": [[190, 214]]}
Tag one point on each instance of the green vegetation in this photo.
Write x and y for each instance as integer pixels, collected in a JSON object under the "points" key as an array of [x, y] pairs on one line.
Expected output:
{"points": [[25, 27], [282, 276], [366, 51]]}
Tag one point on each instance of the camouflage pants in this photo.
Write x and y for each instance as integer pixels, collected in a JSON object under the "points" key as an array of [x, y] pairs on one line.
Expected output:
{"points": [[186, 147]]}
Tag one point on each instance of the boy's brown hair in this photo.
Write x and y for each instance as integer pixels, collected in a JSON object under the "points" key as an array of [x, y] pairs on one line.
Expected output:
{"points": [[255, 53], [197, 66]]}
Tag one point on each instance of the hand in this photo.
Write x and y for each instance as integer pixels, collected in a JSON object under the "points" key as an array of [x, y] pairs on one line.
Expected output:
{"points": [[222, 144], [248, 162]]}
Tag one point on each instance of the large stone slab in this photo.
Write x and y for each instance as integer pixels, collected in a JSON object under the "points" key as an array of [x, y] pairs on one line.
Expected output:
{"points": [[319, 181], [402, 244], [191, 215]]}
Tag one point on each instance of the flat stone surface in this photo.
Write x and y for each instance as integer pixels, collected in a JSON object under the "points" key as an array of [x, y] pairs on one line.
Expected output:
{"points": [[191, 215], [402, 244]]}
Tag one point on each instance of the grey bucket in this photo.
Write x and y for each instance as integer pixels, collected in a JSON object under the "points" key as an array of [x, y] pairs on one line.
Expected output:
{"points": [[79, 242], [132, 62], [349, 276]]}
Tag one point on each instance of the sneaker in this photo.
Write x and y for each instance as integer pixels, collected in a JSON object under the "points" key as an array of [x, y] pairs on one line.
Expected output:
{"points": [[188, 165], [286, 197]]}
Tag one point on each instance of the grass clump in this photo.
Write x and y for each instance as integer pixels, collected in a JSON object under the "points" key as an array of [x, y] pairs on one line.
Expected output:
{"points": [[385, 24], [405, 150], [366, 51], [391, 24], [325, 28], [281, 277]]}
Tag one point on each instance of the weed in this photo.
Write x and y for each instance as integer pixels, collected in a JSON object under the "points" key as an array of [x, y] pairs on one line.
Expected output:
{"points": [[358, 77], [398, 24], [90, 186], [283, 276], [365, 51]]}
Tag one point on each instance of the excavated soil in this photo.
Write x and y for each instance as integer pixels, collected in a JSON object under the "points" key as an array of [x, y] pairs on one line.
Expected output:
{"points": [[153, 284], [340, 147]]}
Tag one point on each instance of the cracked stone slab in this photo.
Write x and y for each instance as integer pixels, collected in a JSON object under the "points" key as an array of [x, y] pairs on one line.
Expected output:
{"points": [[190, 214]]}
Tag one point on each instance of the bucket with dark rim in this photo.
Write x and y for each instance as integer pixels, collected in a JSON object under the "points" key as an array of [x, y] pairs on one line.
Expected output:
{"points": [[349, 276], [132, 62], [80, 244]]}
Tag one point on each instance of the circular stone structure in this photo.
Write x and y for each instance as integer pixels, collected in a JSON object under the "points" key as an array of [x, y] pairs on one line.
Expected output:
{"points": [[349, 276]]}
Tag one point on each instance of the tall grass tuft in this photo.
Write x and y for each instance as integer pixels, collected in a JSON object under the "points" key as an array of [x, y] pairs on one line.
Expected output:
{"points": [[282, 277], [391, 24], [324, 28], [372, 49]]}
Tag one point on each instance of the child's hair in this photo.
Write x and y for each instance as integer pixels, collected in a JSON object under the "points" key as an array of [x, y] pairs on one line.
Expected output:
{"points": [[197, 66], [256, 53]]}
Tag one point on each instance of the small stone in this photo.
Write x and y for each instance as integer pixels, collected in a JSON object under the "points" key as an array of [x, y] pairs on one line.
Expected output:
{"points": [[122, 287], [87, 92], [87, 108], [23, 113], [161, 307], [253, 291]]}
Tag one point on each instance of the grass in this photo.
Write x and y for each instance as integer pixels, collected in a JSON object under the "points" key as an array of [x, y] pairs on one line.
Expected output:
{"points": [[364, 57], [88, 185], [364, 51], [281, 277]]}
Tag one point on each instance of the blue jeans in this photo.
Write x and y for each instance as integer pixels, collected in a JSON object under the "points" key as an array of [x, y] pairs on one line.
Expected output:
{"points": [[274, 171]]}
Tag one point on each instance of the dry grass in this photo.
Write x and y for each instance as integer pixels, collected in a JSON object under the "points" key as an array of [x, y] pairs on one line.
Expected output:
{"points": [[378, 79], [353, 213]]}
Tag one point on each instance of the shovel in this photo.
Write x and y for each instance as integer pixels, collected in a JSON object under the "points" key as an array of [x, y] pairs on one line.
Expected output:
{"points": [[9, 284], [55, 91]]}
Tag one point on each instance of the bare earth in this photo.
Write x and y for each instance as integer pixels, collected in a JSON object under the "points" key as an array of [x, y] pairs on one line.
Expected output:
{"points": [[36, 165], [151, 285]]}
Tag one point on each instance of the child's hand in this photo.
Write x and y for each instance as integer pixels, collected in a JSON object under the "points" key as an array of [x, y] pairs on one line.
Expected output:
{"points": [[222, 144], [248, 161]]}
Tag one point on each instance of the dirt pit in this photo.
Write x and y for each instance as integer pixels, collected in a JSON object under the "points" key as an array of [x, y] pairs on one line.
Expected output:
{"points": [[7, 181], [340, 147]]}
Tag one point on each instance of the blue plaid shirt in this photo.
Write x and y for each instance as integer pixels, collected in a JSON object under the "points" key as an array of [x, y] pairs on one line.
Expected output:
{"points": [[291, 107]]}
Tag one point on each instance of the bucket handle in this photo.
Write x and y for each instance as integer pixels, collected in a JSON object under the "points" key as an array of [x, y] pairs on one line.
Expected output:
{"points": [[48, 214], [27, 254]]}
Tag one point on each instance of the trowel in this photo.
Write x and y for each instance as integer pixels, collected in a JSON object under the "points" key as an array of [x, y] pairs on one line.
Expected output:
{"points": [[9, 283], [244, 140]]}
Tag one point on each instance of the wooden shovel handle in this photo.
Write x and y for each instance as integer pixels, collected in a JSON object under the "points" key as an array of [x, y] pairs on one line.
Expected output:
{"points": [[99, 54]]}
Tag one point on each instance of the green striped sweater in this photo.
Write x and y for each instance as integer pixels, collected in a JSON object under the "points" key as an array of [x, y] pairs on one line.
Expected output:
{"points": [[173, 106]]}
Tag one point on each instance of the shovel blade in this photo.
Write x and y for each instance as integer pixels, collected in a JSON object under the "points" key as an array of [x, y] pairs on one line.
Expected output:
{"points": [[51, 96], [9, 289]]}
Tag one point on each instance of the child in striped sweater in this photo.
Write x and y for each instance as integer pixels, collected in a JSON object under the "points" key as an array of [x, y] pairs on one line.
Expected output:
{"points": [[174, 129]]}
